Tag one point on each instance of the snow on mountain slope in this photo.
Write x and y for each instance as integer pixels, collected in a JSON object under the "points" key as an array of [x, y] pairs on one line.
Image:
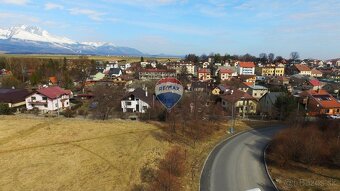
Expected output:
{"points": [[3, 33], [30, 39], [31, 33]]}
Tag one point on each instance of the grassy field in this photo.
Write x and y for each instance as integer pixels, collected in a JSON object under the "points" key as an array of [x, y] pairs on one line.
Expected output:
{"points": [[62, 154], [299, 177], [76, 154], [103, 58]]}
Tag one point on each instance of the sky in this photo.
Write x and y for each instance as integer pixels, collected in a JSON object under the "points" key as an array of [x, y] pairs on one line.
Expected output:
{"points": [[179, 27]]}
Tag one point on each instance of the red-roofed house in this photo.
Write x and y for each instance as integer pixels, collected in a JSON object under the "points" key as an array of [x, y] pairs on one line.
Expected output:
{"points": [[49, 99], [316, 73], [315, 84], [246, 68], [302, 69], [226, 74], [204, 74], [320, 102]]}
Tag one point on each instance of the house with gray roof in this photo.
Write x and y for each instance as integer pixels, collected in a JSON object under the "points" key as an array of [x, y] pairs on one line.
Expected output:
{"points": [[267, 103]]}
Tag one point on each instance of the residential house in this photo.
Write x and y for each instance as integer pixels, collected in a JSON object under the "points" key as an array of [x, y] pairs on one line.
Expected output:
{"points": [[316, 73], [205, 64], [270, 71], [242, 103], [319, 102], [257, 91], [226, 73], [267, 104], [179, 66], [313, 84], [156, 74], [204, 74], [278, 80], [137, 101], [301, 69], [245, 68], [114, 72], [220, 89], [13, 97], [53, 80], [49, 99], [333, 88], [248, 79]]}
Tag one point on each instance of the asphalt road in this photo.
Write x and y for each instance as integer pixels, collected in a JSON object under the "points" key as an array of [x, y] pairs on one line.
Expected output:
{"points": [[237, 164]]}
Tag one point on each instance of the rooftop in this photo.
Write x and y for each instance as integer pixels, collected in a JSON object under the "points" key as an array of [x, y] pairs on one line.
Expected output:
{"points": [[247, 64]]}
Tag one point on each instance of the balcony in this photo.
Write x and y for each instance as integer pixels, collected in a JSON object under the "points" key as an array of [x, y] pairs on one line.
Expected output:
{"points": [[40, 102]]}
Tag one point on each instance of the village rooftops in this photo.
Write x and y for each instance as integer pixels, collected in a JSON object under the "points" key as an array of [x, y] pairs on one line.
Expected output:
{"points": [[302, 67], [258, 87], [324, 99], [226, 71], [314, 82], [204, 70], [246, 64], [236, 95], [53, 92], [315, 72]]}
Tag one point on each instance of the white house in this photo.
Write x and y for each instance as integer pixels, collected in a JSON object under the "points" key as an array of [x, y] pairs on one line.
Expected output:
{"points": [[245, 68], [49, 99], [205, 64], [136, 101], [257, 91]]}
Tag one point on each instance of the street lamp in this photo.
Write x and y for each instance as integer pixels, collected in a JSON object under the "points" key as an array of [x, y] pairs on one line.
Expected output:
{"points": [[232, 112]]}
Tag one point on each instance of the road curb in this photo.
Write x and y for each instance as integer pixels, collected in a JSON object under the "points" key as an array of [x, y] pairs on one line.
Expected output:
{"points": [[213, 149], [266, 167]]}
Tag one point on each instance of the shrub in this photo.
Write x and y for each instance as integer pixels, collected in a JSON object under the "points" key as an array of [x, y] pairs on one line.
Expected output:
{"points": [[68, 113], [5, 109], [312, 143]]}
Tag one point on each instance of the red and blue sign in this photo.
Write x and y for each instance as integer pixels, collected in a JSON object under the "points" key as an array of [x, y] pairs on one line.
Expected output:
{"points": [[169, 91]]}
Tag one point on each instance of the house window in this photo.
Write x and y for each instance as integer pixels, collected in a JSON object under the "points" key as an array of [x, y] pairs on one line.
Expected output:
{"points": [[45, 105], [56, 105], [255, 94], [44, 98], [327, 110], [128, 103], [33, 98], [337, 110]]}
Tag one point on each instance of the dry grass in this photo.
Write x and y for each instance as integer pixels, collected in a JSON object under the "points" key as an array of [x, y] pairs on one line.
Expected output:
{"points": [[62, 154], [299, 177], [75, 154]]}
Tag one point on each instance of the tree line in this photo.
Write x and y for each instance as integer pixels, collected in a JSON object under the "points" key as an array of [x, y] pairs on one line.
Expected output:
{"points": [[218, 58]]}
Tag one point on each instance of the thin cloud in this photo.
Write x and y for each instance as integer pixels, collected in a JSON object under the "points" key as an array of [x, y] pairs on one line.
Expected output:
{"points": [[50, 6], [15, 2], [92, 14]]}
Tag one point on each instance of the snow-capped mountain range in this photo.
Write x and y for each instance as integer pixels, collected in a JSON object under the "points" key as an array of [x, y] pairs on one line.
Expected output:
{"points": [[34, 40]]}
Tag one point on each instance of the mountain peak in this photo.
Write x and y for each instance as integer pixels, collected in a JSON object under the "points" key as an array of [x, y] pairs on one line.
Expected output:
{"points": [[32, 39]]}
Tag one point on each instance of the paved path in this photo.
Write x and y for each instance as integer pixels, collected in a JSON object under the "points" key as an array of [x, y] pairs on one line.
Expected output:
{"points": [[237, 164]]}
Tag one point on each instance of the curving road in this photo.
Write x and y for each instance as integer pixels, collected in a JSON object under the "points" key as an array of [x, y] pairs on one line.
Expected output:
{"points": [[237, 163]]}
